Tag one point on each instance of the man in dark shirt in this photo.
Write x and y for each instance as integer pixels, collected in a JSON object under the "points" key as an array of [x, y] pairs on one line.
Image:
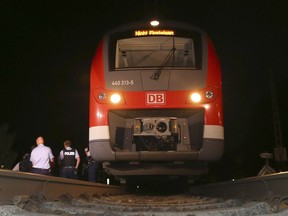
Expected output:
{"points": [[92, 167], [69, 159]]}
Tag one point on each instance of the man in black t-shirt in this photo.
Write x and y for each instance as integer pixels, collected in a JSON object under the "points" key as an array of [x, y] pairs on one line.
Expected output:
{"points": [[92, 167]]}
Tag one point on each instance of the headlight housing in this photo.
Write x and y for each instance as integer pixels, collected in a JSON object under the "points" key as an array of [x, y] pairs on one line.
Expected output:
{"points": [[200, 96], [107, 97]]}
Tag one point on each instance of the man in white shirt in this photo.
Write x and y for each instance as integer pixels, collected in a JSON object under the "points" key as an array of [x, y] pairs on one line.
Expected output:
{"points": [[41, 158]]}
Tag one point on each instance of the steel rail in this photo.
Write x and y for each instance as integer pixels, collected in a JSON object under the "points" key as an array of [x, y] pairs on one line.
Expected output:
{"points": [[269, 188], [14, 183]]}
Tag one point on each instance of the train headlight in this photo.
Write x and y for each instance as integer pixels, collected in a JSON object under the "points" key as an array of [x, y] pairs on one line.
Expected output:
{"points": [[203, 96], [196, 97], [115, 98]]}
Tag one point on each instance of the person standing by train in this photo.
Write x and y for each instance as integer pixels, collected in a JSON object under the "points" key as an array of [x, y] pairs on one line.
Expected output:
{"points": [[92, 167], [69, 160], [41, 158]]}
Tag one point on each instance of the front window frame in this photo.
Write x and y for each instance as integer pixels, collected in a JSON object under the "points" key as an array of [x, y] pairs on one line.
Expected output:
{"points": [[192, 35]]}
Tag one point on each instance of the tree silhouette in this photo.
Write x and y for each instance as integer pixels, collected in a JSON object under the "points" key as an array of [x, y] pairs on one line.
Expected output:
{"points": [[7, 155]]}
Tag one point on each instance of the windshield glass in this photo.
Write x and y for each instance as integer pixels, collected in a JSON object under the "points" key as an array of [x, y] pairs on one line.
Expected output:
{"points": [[152, 51]]}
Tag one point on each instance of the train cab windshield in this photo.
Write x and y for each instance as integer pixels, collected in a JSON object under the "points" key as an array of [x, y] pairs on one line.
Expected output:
{"points": [[155, 51]]}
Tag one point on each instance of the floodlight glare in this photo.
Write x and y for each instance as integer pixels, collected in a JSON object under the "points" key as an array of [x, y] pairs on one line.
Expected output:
{"points": [[154, 23]]}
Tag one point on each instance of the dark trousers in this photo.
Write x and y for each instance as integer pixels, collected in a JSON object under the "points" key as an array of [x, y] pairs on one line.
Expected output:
{"points": [[92, 172], [69, 172], [41, 171]]}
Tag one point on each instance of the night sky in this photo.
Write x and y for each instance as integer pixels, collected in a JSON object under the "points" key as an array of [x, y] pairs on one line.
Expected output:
{"points": [[47, 47]]}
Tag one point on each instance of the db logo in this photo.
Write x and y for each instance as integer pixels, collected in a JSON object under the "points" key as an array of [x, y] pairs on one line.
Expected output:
{"points": [[155, 98]]}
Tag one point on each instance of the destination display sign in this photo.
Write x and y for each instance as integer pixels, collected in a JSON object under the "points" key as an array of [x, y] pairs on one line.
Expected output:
{"points": [[153, 32]]}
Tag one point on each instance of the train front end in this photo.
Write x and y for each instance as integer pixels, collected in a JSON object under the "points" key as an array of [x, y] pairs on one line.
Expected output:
{"points": [[156, 101]]}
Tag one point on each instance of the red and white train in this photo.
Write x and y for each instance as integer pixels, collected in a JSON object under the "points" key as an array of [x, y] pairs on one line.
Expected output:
{"points": [[156, 101]]}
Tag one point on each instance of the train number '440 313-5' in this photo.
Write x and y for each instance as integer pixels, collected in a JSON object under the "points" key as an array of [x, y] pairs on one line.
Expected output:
{"points": [[122, 82]]}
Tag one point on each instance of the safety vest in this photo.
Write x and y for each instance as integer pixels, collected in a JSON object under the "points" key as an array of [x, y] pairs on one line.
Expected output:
{"points": [[69, 157]]}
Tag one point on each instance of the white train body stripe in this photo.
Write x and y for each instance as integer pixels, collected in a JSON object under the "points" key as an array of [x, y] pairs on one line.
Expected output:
{"points": [[99, 132], [102, 132], [213, 132]]}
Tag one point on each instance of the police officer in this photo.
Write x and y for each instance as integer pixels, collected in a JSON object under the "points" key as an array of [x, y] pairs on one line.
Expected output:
{"points": [[69, 160]]}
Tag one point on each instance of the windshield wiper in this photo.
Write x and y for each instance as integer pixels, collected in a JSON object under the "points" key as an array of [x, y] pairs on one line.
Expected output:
{"points": [[158, 71]]}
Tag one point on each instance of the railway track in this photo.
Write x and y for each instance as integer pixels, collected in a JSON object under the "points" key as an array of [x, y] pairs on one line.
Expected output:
{"points": [[265, 195], [271, 189], [14, 184]]}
